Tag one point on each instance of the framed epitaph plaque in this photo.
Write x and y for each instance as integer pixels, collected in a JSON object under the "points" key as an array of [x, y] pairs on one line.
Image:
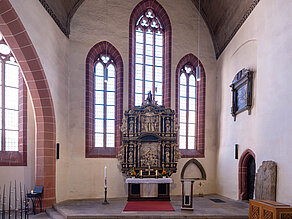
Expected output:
{"points": [[241, 88]]}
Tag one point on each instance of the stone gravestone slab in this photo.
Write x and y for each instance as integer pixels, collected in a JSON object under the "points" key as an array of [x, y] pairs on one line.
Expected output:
{"points": [[266, 178]]}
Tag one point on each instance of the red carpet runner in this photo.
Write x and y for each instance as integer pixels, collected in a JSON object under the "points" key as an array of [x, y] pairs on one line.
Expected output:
{"points": [[148, 206]]}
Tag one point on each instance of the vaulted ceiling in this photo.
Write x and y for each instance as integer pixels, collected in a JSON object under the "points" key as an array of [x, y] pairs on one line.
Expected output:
{"points": [[223, 17], [62, 11]]}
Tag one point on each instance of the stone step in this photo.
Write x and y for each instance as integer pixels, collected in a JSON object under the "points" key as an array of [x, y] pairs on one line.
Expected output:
{"points": [[138, 216], [54, 214]]}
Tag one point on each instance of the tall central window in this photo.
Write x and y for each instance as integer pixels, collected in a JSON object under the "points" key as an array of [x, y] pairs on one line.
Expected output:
{"points": [[148, 57], [9, 106], [105, 102], [187, 107]]}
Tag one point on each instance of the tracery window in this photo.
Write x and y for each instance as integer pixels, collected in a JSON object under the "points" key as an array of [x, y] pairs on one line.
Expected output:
{"points": [[190, 106], [9, 99], [105, 102], [149, 43], [187, 108]]}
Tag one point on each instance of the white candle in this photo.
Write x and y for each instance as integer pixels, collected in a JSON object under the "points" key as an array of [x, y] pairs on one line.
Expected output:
{"points": [[105, 183]]}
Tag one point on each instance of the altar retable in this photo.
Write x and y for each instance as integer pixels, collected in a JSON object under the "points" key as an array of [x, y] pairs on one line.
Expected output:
{"points": [[149, 147]]}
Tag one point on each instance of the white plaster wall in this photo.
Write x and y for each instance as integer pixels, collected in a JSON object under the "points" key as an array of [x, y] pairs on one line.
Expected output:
{"points": [[22, 174], [263, 45], [87, 29], [51, 46]]}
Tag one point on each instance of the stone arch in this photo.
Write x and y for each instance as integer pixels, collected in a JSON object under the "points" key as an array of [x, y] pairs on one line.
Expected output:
{"points": [[23, 50], [198, 164], [242, 173]]}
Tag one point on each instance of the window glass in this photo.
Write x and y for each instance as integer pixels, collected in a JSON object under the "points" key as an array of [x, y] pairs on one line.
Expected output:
{"points": [[110, 140], [187, 108], [9, 105], [105, 102], [148, 63], [11, 140]]}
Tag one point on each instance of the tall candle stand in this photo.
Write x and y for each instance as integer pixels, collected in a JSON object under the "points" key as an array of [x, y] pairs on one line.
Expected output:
{"points": [[105, 202]]}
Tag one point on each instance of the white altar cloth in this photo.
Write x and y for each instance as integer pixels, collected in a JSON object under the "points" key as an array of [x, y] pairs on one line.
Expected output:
{"points": [[149, 180]]}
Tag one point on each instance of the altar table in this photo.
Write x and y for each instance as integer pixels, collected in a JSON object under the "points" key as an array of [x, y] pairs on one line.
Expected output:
{"points": [[148, 189]]}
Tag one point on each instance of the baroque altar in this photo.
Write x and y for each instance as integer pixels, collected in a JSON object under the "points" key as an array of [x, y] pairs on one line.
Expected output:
{"points": [[149, 134]]}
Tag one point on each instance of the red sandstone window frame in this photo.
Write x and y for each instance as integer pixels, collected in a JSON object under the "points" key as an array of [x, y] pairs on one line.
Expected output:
{"points": [[162, 16], [199, 150], [95, 52], [16, 158]]}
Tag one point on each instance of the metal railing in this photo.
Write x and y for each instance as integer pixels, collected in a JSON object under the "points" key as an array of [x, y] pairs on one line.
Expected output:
{"points": [[13, 202]]}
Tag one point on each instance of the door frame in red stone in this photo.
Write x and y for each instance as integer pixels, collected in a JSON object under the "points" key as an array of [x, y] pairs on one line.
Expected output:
{"points": [[23, 50], [242, 173]]}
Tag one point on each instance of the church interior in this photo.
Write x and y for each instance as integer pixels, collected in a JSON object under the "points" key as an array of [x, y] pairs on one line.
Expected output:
{"points": [[104, 95]]}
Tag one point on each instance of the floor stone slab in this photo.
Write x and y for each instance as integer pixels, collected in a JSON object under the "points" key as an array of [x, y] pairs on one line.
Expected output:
{"points": [[203, 208]]}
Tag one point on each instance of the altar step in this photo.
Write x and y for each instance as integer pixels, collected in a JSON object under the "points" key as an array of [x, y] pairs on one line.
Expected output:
{"points": [[54, 214], [204, 207]]}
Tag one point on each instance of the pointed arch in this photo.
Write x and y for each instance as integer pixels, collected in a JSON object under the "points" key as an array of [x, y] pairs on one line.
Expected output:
{"points": [[242, 173], [167, 39], [198, 164], [23, 50], [98, 49], [199, 150]]}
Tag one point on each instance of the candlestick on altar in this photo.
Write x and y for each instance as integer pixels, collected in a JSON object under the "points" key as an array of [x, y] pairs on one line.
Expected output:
{"points": [[156, 173], [105, 202]]}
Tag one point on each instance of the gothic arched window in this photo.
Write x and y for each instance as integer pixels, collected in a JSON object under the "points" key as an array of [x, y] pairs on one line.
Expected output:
{"points": [[190, 107], [149, 58], [150, 54], [104, 100], [105, 74], [9, 92], [187, 108], [12, 109]]}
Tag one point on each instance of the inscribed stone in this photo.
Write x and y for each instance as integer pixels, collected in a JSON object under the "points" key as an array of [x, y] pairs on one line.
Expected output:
{"points": [[266, 178]]}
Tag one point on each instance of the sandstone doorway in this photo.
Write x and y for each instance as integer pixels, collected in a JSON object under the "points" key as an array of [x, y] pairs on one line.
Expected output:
{"points": [[246, 175]]}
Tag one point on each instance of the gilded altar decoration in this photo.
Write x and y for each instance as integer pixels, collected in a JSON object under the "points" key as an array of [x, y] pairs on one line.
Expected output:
{"points": [[149, 140]]}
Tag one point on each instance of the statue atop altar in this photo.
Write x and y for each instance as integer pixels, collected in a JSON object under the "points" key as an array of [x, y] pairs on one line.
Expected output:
{"points": [[149, 134]]}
